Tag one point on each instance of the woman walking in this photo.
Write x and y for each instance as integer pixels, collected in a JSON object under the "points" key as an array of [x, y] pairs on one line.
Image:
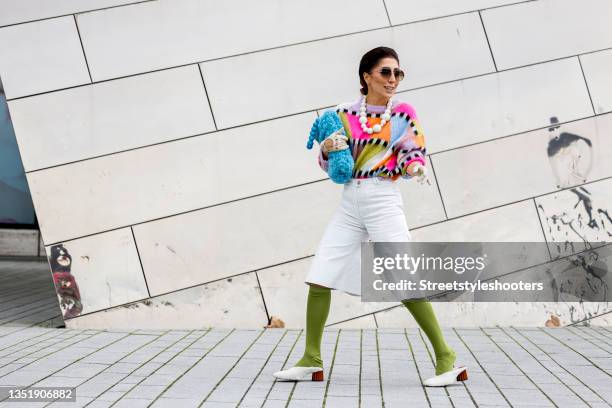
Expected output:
{"points": [[387, 143]]}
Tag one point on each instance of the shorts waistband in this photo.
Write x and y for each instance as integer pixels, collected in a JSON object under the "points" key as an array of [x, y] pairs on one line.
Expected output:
{"points": [[369, 181]]}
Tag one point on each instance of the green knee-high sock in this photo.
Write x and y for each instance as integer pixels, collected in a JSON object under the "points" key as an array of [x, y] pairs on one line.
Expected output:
{"points": [[424, 315], [317, 309]]}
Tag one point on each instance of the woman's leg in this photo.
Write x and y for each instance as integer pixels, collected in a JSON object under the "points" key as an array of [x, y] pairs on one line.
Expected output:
{"points": [[424, 315], [335, 265], [317, 310], [386, 222]]}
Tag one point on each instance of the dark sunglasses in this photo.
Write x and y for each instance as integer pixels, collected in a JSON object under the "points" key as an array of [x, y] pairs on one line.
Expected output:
{"points": [[386, 72]]}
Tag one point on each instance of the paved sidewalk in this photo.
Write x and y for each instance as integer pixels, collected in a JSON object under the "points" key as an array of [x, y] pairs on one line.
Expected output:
{"points": [[564, 367], [27, 294]]}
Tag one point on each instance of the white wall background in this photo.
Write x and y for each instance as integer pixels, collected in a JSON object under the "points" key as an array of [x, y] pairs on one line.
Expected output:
{"points": [[146, 131]]}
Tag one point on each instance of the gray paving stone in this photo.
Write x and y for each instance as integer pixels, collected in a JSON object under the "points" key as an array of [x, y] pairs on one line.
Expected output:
{"points": [[175, 403], [440, 402], [144, 392], [252, 402], [57, 381], [309, 403], [513, 381], [110, 396], [310, 391], [133, 379], [122, 367], [274, 403], [484, 398], [132, 403], [99, 404], [159, 379], [121, 387], [230, 390], [528, 367], [342, 402], [93, 388], [527, 397], [342, 390], [81, 370], [80, 402]]}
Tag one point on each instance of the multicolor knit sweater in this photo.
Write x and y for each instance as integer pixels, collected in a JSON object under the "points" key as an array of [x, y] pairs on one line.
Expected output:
{"points": [[387, 153]]}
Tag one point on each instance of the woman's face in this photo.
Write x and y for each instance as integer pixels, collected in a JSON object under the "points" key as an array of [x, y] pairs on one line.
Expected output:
{"points": [[380, 87]]}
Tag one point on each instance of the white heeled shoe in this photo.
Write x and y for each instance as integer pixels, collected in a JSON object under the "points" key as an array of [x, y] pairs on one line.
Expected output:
{"points": [[450, 377], [300, 374]]}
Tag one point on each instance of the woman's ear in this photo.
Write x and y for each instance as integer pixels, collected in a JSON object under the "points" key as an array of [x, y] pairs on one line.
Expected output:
{"points": [[366, 78]]}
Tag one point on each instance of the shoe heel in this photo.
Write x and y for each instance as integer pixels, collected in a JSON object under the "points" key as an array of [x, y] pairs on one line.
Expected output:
{"points": [[318, 376], [463, 376]]}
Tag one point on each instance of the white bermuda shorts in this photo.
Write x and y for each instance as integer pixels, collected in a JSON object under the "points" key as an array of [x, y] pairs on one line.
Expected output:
{"points": [[370, 208]]}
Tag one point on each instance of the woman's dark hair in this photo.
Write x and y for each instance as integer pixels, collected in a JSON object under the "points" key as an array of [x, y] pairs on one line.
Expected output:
{"points": [[370, 59]]}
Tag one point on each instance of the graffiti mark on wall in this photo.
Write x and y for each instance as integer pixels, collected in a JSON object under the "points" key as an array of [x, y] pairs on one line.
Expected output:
{"points": [[576, 227], [571, 159], [570, 156], [582, 222], [65, 284], [577, 230]]}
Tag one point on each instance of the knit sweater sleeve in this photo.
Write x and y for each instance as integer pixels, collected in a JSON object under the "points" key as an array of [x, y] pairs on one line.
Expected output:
{"points": [[411, 148], [323, 162]]}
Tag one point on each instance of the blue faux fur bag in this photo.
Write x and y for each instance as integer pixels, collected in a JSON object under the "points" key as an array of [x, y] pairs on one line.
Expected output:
{"points": [[340, 162]]}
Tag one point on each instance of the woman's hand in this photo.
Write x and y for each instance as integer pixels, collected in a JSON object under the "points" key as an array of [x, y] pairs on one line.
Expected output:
{"points": [[419, 171], [334, 142]]}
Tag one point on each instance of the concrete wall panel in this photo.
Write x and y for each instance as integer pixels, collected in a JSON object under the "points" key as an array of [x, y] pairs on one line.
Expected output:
{"points": [[538, 31], [41, 56], [178, 32], [313, 75], [108, 117]]}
